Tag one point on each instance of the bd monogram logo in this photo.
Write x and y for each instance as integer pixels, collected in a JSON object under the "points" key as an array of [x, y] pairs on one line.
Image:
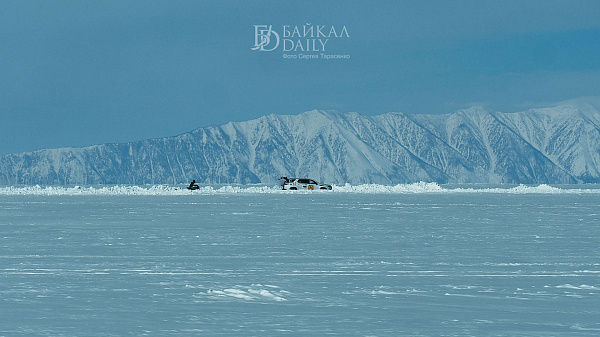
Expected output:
{"points": [[306, 38], [262, 38]]}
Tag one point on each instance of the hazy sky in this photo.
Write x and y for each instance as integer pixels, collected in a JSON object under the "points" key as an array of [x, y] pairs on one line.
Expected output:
{"points": [[77, 73]]}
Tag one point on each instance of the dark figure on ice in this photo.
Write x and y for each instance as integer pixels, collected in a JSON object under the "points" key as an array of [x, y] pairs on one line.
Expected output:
{"points": [[193, 185]]}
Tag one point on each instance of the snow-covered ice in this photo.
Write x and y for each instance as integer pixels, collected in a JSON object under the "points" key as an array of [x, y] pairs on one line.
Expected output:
{"points": [[421, 187], [419, 259]]}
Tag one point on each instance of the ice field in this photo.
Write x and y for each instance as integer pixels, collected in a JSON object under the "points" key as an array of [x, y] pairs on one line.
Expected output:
{"points": [[369, 260]]}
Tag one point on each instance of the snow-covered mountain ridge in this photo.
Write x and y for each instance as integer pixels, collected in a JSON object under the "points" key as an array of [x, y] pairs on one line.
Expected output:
{"points": [[557, 145]]}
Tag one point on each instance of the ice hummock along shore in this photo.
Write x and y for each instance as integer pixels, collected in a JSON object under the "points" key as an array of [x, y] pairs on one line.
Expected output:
{"points": [[421, 187]]}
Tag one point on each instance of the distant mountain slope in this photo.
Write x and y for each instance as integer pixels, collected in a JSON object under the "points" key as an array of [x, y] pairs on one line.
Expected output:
{"points": [[558, 145]]}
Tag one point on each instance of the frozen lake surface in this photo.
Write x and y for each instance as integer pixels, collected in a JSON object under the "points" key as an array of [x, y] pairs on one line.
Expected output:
{"points": [[406, 260]]}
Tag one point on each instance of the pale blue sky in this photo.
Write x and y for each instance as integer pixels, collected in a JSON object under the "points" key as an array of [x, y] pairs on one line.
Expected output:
{"points": [[77, 73]]}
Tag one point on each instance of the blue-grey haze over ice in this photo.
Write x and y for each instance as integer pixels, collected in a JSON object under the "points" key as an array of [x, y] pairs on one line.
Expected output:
{"points": [[173, 90], [80, 73]]}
